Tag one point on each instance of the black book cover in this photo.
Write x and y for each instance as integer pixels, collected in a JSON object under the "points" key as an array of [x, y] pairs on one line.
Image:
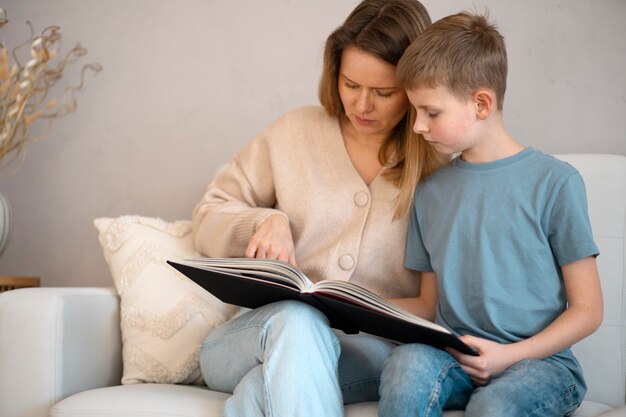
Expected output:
{"points": [[342, 313]]}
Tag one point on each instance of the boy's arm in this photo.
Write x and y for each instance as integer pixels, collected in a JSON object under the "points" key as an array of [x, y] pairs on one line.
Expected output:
{"points": [[581, 318], [425, 304]]}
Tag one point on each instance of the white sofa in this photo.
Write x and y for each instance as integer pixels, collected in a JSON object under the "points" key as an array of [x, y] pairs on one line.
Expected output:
{"points": [[60, 348]]}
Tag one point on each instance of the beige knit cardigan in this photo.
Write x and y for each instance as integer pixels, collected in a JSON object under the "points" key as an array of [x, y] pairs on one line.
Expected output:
{"points": [[342, 228]]}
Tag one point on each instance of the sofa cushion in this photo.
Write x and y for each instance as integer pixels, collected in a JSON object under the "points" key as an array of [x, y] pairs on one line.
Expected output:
{"points": [[164, 316], [166, 400], [142, 400]]}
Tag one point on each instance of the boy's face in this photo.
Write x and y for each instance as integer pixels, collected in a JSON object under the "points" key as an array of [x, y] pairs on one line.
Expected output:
{"points": [[446, 122]]}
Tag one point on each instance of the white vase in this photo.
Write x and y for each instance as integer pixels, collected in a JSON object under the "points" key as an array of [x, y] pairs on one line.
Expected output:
{"points": [[5, 222]]}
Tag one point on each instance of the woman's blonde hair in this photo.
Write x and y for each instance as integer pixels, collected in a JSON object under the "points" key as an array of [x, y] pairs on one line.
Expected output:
{"points": [[383, 28]]}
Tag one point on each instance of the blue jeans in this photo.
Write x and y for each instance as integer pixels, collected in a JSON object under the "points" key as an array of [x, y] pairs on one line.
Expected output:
{"points": [[283, 359], [419, 380]]}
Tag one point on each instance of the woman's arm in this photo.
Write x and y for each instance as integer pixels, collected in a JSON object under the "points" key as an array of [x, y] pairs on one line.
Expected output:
{"points": [[237, 202], [581, 318]]}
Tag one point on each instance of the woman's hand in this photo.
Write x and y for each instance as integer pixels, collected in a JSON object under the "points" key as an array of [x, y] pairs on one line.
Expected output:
{"points": [[272, 240], [493, 359]]}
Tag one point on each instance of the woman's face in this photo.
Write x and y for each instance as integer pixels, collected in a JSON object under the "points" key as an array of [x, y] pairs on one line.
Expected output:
{"points": [[371, 97]]}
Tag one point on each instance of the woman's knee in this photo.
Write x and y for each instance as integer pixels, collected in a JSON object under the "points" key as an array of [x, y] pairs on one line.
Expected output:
{"points": [[248, 338], [264, 318], [299, 313], [300, 323]]}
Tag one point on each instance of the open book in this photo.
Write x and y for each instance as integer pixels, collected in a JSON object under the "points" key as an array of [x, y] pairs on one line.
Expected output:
{"points": [[349, 307]]}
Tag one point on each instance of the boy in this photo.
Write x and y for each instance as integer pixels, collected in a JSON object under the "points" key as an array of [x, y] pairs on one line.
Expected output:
{"points": [[503, 241]]}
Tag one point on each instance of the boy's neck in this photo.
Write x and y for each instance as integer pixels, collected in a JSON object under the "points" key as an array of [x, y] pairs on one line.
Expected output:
{"points": [[496, 144]]}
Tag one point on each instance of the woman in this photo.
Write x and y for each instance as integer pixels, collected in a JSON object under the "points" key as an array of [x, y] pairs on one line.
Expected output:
{"points": [[320, 188]]}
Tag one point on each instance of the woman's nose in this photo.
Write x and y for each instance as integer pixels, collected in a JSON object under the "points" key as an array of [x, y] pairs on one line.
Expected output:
{"points": [[365, 103]]}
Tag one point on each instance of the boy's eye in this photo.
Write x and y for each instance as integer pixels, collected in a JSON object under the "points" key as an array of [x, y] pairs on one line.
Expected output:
{"points": [[433, 115]]}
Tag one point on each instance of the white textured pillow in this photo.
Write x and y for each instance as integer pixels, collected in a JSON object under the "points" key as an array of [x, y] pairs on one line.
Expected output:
{"points": [[164, 316]]}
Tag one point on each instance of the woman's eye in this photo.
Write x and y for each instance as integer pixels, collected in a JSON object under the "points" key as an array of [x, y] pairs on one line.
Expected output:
{"points": [[351, 86], [384, 93]]}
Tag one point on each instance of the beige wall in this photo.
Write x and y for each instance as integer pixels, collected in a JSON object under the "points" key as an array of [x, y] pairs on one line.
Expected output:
{"points": [[187, 83]]}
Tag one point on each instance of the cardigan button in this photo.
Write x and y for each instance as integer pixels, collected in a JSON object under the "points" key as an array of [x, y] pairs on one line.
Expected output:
{"points": [[346, 262], [361, 198]]}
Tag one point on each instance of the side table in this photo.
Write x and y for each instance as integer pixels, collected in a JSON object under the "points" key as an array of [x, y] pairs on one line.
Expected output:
{"points": [[10, 282]]}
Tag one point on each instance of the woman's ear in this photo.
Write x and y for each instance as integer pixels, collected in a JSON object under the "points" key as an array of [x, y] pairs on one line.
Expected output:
{"points": [[485, 102]]}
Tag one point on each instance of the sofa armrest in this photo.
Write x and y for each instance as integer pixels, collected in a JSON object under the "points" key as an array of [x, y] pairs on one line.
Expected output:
{"points": [[56, 342]]}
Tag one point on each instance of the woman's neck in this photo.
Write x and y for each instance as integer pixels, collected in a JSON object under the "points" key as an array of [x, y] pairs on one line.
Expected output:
{"points": [[364, 151]]}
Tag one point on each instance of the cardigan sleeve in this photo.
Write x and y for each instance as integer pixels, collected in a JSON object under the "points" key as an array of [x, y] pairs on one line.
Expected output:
{"points": [[236, 202]]}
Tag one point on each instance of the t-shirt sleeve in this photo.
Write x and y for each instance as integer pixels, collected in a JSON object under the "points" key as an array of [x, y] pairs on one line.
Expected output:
{"points": [[416, 257], [570, 231]]}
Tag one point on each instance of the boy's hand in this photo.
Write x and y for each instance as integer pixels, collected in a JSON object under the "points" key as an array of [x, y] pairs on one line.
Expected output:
{"points": [[493, 358]]}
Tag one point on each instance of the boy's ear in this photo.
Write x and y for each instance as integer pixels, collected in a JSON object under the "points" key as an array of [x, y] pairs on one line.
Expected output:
{"points": [[485, 102]]}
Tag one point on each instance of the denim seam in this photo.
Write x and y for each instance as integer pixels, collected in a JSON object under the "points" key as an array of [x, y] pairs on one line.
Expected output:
{"points": [[568, 393], [362, 381], [265, 330], [262, 339], [436, 392], [238, 329]]}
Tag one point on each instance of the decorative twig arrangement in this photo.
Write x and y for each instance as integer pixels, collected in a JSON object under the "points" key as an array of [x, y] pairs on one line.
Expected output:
{"points": [[24, 90]]}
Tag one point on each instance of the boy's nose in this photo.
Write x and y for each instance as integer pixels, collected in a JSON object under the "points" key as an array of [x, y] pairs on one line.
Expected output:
{"points": [[419, 126]]}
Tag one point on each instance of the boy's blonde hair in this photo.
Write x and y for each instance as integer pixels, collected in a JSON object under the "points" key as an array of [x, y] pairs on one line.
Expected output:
{"points": [[461, 52]]}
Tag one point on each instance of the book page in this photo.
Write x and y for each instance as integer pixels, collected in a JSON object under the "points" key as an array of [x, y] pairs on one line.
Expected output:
{"points": [[266, 269]]}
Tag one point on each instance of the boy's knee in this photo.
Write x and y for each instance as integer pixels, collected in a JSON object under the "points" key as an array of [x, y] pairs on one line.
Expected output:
{"points": [[406, 362], [530, 387], [483, 404], [409, 356], [410, 351], [494, 404], [412, 377]]}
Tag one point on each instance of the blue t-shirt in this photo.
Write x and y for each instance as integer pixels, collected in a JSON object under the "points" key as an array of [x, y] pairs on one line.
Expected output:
{"points": [[496, 235]]}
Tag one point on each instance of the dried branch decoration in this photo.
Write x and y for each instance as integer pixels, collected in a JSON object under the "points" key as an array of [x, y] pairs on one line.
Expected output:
{"points": [[24, 90]]}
